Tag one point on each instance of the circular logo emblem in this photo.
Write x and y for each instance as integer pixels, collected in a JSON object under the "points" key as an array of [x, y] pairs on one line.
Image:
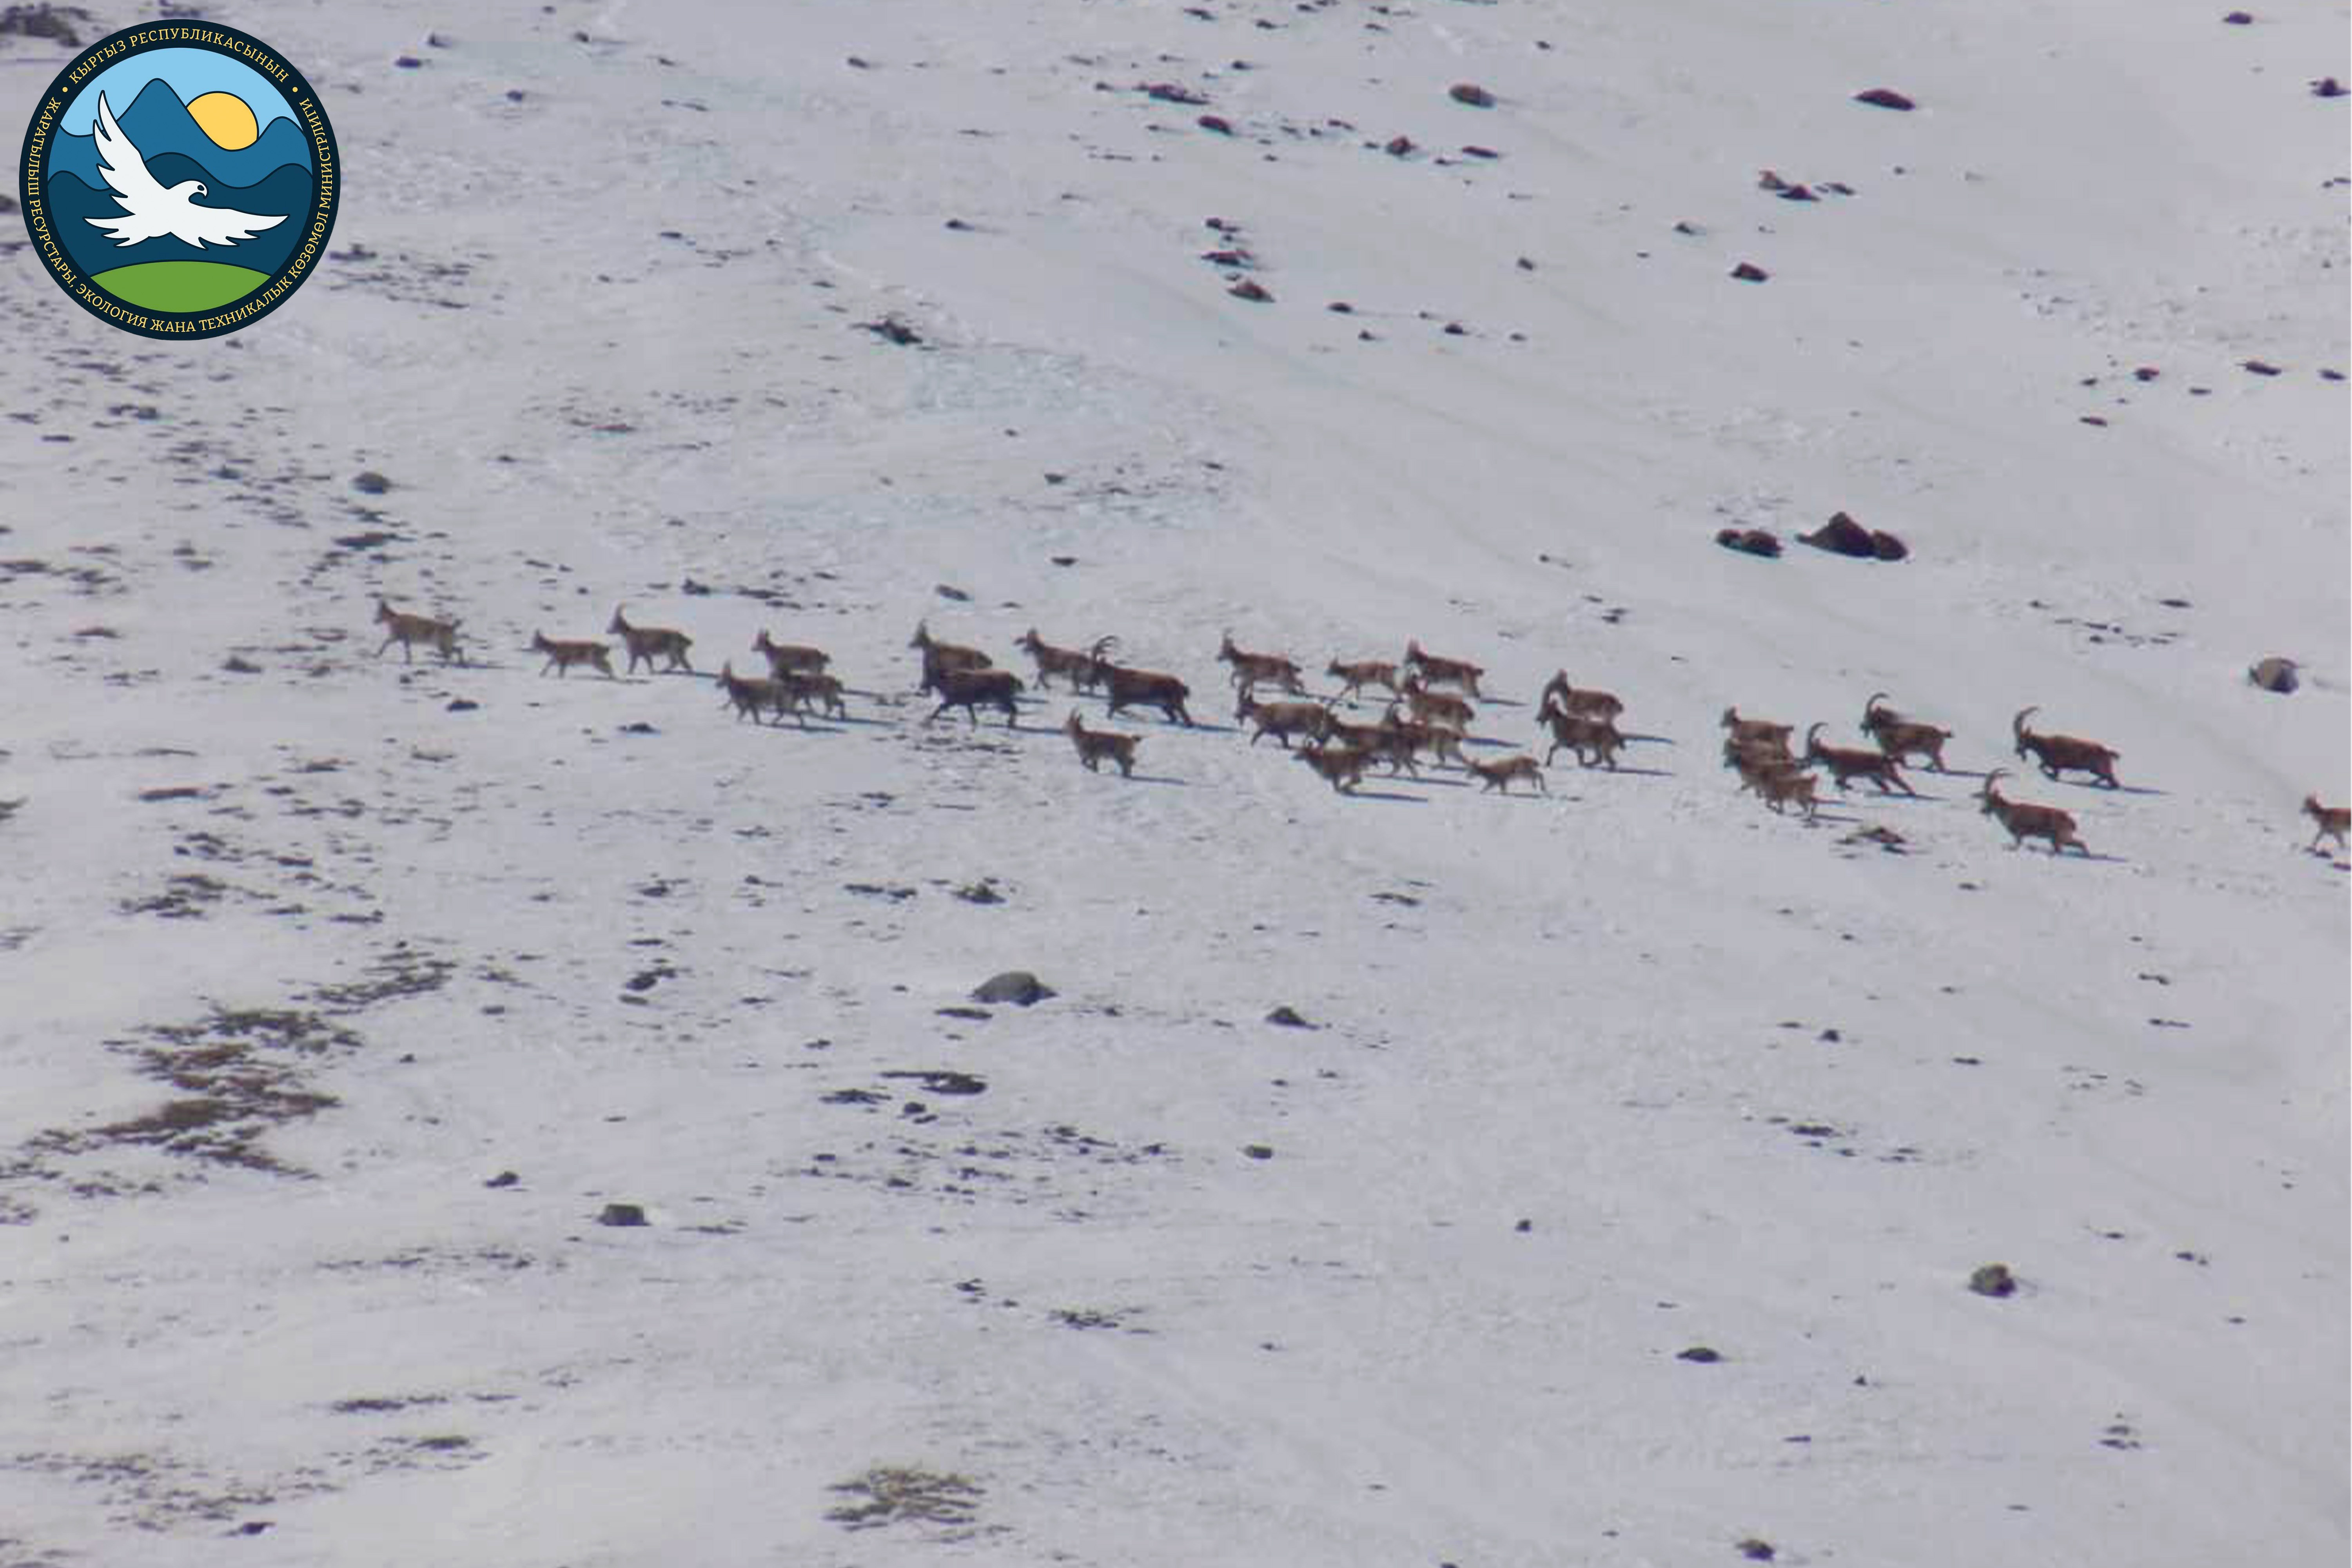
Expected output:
{"points": [[179, 179]]}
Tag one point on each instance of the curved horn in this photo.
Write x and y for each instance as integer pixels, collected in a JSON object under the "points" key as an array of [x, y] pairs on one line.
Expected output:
{"points": [[2017, 725], [1730, 717], [1987, 789], [1810, 735], [1870, 705]]}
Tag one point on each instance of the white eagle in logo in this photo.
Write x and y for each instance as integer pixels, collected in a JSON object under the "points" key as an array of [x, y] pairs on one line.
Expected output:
{"points": [[154, 211]]}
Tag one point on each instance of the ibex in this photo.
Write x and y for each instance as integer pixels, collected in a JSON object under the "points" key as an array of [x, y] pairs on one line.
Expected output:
{"points": [[562, 656], [791, 659], [945, 656], [1746, 730], [1435, 707], [1251, 669], [1499, 774], [1342, 769], [2335, 821], [2058, 753], [969, 690], [1081, 668], [1377, 741], [1596, 704], [2024, 821], [1845, 764], [1459, 673], [1128, 687], [407, 630], [1594, 741], [1901, 738], [797, 692], [1758, 760], [646, 644], [1281, 720], [1094, 745], [1778, 788], [749, 695], [1412, 737], [1354, 678]]}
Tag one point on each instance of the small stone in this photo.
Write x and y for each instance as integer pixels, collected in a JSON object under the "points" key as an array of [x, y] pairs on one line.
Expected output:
{"points": [[1251, 289], [1215, 122], [1289, 1018], [949, 591], [1524, 1227], [1257, 1151], [2275, 674], [1993, 1280], [460, 705], [1398, 146], [1749, 272], [1885, 98], [1704, 1355], [407, 62], [2327, 86], [371, 483], [1524, 265], [1471, 93], [1017, 986], [1756, 1550], [622, 1213], [2239, 19], [2258, 367], [503, 1179]]}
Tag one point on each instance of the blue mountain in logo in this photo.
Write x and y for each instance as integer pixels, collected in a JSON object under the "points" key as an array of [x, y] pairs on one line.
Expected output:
{"points": [[287, 189], [158, 122]]}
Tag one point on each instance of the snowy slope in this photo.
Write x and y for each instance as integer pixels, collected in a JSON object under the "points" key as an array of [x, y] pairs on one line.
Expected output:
{"points": [[1594, 1080]]}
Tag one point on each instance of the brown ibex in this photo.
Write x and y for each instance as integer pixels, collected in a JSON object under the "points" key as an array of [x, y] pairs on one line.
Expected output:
{"points": [[1252, 668], [1594, 704], [2024, 821], [1902, 738], [1594, 741], [1340, 767], [646, 644], [749, 695], [970, 690], [1846, 764], [562, 656], [791, 659], [1281, 720], [1126, 687], [1435, 707], [2058, 753], [1747, 730], [945, 656], [406, 630], [1459, 673], [2335, 821], [1094, 745], [1081, 668], [1354, 678], [1499, 774]]}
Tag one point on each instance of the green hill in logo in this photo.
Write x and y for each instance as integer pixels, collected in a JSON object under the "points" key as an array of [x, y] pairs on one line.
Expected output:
{"points": [[180, 286]]}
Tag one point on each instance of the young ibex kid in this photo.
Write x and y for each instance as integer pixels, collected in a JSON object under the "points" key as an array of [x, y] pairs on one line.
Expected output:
{"points": [[562, 656], [1094, 745], [407, 630], [1594, 704], [1339, 766], [1499, 774], [646, 644]]}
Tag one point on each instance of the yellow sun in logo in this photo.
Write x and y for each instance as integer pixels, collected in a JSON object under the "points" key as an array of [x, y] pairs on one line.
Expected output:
{"points": [[226, 119]]}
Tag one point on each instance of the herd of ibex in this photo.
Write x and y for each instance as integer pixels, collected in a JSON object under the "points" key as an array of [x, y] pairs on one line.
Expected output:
{"points": [[1418, 719]]}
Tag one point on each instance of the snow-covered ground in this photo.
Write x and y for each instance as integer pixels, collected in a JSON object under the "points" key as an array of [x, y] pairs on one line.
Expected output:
{"points": [[338, 996]]}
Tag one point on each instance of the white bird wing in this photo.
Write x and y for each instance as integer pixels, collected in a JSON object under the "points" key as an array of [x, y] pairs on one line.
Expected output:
{"points": [[201, 227], [119, 162]]}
